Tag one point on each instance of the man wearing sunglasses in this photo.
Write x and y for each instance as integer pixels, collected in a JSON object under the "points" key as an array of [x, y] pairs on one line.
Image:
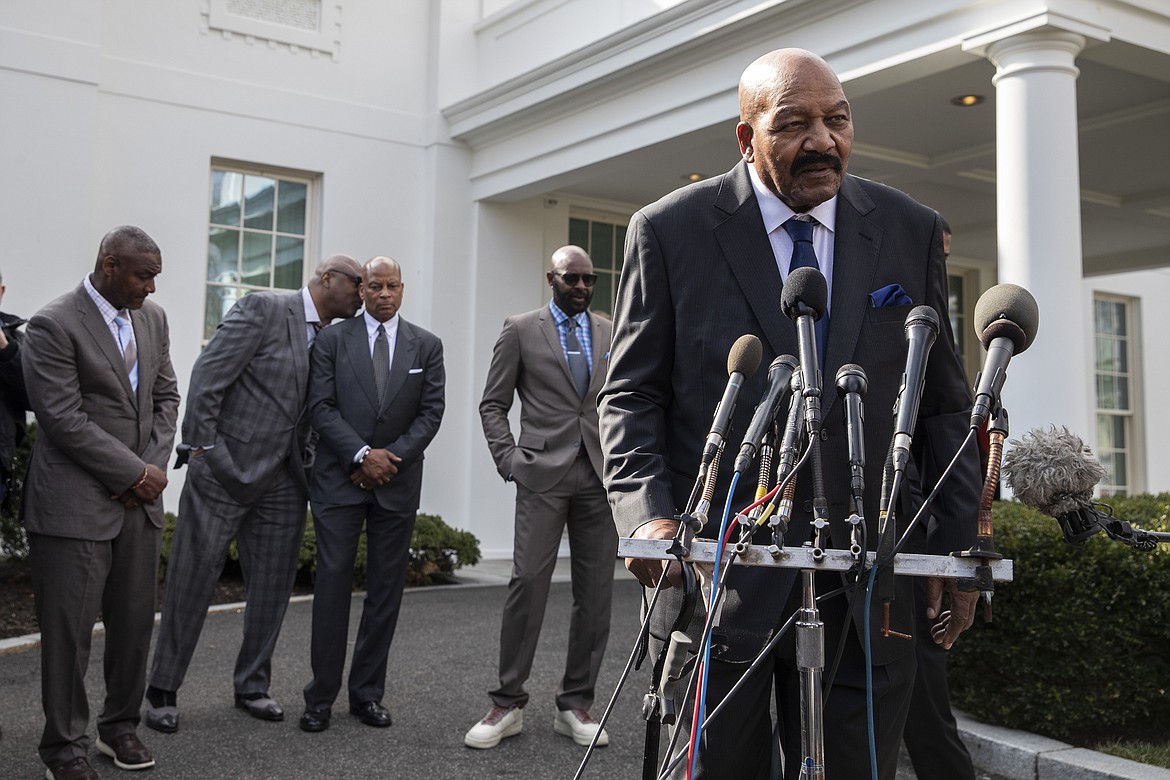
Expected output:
{"points": [[245, 435], [555, 357]]}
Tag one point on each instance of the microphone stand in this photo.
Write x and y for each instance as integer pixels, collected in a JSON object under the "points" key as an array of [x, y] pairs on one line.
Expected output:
{"points": [[984, 547]]}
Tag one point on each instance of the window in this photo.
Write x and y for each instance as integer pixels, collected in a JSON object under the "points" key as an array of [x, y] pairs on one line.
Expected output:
{"points": [[962, 283], [1116, 406], [604, 239], [258, 236]]}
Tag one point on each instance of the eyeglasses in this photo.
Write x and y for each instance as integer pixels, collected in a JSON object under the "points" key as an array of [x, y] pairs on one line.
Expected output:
{"points": [[571, 279]]}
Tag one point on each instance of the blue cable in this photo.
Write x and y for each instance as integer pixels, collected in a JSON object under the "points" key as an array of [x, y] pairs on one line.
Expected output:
{"points": [[701, 700], [869, 719]]}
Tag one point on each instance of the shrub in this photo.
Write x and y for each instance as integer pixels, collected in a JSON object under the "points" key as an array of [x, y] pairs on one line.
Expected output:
{"points": [[436, 550], [1077, 649], [13, 541]]}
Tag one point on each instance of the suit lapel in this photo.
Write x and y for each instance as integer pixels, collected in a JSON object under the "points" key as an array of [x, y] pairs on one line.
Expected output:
{"points": [[298, 336], [600, 350], [552, 337], [748, 252], [103, 339], [356, 343], [856, 243], [405, 351]]}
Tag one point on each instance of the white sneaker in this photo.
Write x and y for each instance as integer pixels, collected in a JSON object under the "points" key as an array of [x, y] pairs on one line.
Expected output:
{"points": [[580, 726], [500, 722]]}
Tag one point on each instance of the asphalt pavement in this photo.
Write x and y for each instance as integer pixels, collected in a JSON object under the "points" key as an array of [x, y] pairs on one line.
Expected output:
{"points": [[441, 665]]}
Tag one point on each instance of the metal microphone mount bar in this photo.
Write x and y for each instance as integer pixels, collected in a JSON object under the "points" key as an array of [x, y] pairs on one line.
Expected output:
{"points": [[703, 551]]}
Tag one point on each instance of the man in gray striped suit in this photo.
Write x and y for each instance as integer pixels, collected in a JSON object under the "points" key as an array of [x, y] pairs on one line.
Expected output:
{"points": [[245, 433]]}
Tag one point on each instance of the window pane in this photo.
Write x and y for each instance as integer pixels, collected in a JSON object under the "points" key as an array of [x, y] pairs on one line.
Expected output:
{"points": [[601, 244], [579, 233], [226, 188], [290, 213], [257, 265], [223, 255], [603, 294], [290, 262], [259, 192], [1104, 432], [620, 245], [1122, 384], [1120, 437], [219, 302]]}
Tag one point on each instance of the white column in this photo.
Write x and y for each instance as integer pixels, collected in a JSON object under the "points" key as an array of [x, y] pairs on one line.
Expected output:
{"points": [[1039, 226]]}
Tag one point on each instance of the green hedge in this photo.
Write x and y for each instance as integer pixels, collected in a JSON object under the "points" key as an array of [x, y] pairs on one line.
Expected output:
{"points": [[13, 541], [436, 550], [1078, 648]]}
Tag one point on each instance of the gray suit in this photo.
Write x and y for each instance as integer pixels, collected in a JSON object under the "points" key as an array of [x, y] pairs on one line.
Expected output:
{"points": [[556, 463], [347, 414], [246, 401], [88, 551]]}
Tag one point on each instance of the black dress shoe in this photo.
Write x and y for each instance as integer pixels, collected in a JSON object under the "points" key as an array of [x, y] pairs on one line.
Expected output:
{"points": [[371, 713], [315, 719], [260, 707]]}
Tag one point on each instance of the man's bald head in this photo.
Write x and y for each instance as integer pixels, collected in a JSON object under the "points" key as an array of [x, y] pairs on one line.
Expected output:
{"points": [[335, 287], [795, 126]]}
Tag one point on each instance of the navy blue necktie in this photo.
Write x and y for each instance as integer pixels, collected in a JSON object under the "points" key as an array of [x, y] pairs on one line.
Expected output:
{"points": [[805, 256]]}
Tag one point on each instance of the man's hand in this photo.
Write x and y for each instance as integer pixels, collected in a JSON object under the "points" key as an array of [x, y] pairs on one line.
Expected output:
{"points": [[958, 618], [650, 570], [378, 468], [151, 486]]}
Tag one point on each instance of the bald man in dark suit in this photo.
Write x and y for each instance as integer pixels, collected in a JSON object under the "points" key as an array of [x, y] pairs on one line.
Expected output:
{"points": [[376, 398], [98, 369], [705, 265]]}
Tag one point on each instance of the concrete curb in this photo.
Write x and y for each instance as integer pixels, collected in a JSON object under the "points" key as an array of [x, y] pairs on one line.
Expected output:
{"points": [[1019, 755]]}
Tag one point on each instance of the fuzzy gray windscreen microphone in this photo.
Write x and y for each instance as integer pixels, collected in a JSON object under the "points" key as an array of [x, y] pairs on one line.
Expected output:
{"points": [[1052, 470]]}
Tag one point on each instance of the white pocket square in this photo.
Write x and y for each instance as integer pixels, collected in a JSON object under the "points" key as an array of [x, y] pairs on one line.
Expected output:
{"points": [[415, 371]]}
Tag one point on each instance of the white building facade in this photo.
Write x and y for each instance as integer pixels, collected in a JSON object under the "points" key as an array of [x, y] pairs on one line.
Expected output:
{"points": [[470, 138]]}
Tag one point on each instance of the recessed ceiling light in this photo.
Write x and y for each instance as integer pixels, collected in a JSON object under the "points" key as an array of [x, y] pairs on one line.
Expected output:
{"points": [[966, 101], [693, 177]]}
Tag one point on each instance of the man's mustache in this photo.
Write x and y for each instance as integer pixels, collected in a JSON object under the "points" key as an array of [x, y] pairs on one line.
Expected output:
{"points": [[816, 161]]}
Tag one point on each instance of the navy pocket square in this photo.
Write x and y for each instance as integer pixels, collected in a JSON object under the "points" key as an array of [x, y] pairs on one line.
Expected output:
{"points": [[890, 295]]}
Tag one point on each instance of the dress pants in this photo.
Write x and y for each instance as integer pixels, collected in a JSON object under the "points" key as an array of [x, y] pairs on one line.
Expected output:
{"points": [[72, 580], [744, 743], [931, 736], [268, 538], [338, 528], [579, 502]]}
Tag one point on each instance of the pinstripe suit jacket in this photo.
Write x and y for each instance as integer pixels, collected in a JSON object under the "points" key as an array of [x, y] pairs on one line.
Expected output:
{"points": [[346, 413], [95, 434], [554, 420], [700, 272], [247, 394]]}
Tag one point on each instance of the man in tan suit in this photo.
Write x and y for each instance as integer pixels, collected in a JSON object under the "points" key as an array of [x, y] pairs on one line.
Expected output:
{"points": [[555, 357]]}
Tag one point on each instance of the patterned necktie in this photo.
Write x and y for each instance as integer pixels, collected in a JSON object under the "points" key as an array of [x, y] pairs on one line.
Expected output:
{"points": [[126, 340], [578, 363], [805, 256], [381, 362]]}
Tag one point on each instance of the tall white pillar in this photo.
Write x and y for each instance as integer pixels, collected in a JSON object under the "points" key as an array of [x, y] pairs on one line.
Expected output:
{"points": [[1039, 225]]}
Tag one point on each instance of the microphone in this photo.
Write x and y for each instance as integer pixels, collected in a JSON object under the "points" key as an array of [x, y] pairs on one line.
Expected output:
{"points": [[852, 385], [1054, 472], [742, 362], [1006, 319], [921, 329], [779, 378], [803, 300]]}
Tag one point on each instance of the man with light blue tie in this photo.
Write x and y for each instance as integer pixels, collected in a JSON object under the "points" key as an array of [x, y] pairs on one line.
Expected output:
{"points": [[555, 358], [97, 367]]}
